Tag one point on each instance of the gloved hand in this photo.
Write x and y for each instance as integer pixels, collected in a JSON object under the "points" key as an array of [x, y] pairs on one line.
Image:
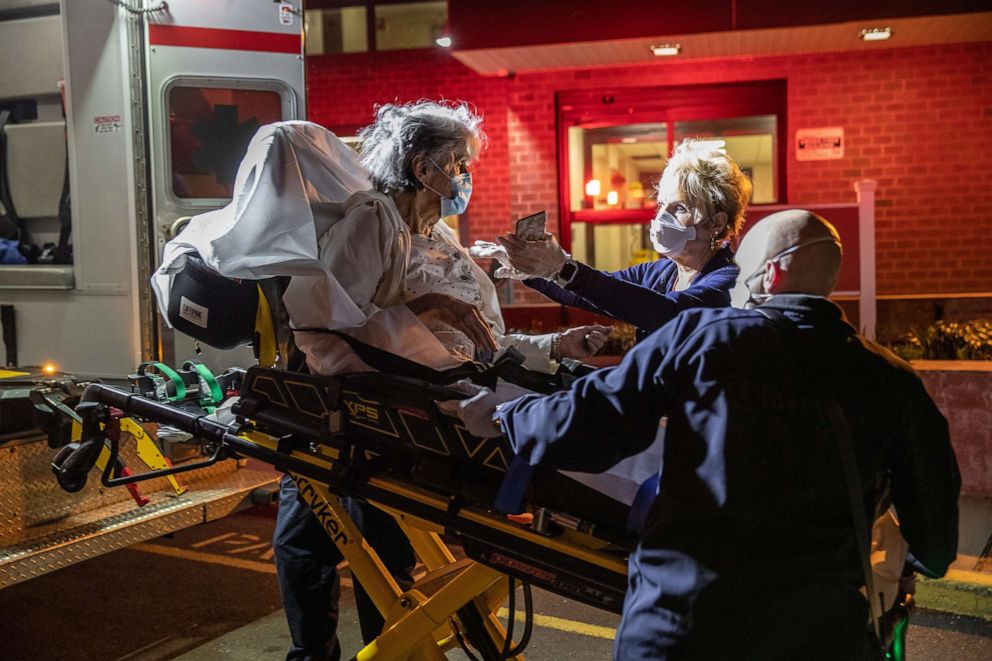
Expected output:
{"points": [[489, 250], [583, 341], [477, 411], [543, 259]]}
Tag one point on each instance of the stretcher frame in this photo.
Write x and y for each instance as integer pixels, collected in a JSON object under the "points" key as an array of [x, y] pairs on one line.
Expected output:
{"points": [[455, 600]]}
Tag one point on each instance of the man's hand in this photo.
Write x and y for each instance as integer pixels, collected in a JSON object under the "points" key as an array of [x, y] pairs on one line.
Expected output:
{"points": [[457, 314], [583, 341], [539, 258], [477, 411]]}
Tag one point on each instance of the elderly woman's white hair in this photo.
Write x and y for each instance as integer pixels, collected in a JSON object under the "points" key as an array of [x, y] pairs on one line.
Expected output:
{"points": [[401, 132], [710, 178]]}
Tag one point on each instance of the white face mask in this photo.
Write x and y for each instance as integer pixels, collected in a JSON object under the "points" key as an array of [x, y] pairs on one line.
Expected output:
{"points": [[669, 236]]}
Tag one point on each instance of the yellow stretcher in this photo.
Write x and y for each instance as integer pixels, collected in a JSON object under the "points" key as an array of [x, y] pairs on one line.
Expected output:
{"points": [[382, 439]]}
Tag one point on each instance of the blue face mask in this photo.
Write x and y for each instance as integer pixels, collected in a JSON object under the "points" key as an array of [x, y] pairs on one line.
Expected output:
{"points": [[461, 191]]}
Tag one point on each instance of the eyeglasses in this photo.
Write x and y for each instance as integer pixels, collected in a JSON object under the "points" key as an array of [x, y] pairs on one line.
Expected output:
{"points": [[788, 251], [461, 166]]}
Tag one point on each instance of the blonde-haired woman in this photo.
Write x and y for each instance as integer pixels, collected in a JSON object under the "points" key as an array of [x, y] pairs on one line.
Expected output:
{"points": [[702, 198]]}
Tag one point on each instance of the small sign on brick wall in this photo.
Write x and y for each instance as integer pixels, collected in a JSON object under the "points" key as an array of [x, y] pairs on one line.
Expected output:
{"points": [[820, 144]]}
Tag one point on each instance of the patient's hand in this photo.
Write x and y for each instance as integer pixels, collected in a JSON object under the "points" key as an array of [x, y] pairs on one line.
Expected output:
{"points": [[583, 341], [457, 314], [488, 250]]}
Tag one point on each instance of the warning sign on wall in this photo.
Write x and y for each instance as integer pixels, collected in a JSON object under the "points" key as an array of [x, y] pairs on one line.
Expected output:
{"points": [[820, 144], [107, 123]]}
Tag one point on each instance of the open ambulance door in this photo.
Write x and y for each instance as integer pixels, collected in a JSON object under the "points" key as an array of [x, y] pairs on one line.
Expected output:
{"points": [[215, 72]]}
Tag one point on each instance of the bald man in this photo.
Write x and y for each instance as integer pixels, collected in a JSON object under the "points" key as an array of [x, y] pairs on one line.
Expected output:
{"points": [[748, 551]]}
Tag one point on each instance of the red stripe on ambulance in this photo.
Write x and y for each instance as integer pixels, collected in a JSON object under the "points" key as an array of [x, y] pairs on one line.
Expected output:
{"points": [[190, 37]]}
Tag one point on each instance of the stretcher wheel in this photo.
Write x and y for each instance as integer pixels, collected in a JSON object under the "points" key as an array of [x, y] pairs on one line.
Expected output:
{"points": [[69, 466]]}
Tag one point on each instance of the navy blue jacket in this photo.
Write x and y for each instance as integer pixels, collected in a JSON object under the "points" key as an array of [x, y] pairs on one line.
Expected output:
{"points": [[748, 549], [643, 294]]}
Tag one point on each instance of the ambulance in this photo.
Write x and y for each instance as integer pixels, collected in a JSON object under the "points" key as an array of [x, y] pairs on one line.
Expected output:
{"points": [[119, 120]]}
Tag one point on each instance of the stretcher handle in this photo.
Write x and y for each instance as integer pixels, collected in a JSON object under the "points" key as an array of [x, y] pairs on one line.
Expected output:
{"points": [[198, 425], [128, 478], [92, 407], [228, 443]]}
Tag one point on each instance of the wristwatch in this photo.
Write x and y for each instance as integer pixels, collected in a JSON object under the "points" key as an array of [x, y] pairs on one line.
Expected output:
{"points": [[497, 421], [567, 272]]}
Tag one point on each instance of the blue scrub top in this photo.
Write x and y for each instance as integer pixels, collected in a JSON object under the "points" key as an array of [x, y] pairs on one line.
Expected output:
{"points": [[643, 295]]}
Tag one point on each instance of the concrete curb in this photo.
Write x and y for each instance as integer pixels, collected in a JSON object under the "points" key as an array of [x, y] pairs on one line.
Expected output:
{"points": [[960, 592]]}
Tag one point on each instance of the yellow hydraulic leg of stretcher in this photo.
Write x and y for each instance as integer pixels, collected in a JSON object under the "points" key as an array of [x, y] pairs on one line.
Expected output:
{"points": [[434, 553], [400, 639], [418, 620], [363, 561], [149, 453]]}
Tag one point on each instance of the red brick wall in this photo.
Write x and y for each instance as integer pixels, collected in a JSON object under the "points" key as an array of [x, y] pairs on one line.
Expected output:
{"points": [[343, 90], [917, 120]]}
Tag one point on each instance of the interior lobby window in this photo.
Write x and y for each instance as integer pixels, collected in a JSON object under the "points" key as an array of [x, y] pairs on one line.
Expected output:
{"points": [[615, 143], [612, 246], [615, 167], [749, 140]]}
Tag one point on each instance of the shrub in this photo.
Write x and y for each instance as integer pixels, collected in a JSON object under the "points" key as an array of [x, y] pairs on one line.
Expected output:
{"points": [[952, 340], [621, 338]]}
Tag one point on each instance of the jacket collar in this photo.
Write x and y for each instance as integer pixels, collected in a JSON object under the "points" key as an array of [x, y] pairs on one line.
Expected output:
{"points": [[807, 310]]}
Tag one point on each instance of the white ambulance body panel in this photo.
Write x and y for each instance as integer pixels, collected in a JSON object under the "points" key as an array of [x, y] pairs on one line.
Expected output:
{"points": [[157, 105], [141, 90]]}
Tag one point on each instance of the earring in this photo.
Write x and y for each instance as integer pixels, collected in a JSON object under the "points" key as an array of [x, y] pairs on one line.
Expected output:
{"points": [[713, 242]]}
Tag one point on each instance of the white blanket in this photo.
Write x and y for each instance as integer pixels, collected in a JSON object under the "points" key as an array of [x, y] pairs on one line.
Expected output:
{"points": [[270, 228]]}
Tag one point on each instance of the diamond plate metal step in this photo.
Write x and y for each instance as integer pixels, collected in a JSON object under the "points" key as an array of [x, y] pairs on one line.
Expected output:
{"points": [[43, 548]]}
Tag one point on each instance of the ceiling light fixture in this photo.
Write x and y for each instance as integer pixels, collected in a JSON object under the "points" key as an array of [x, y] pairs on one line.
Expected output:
{"points": [[443, 41], [876, 34], [666, 49], [714, 144]]}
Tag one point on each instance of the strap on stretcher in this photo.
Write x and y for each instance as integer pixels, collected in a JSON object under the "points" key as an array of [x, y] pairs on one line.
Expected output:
{"points": [[161, 388], [390, 363]]}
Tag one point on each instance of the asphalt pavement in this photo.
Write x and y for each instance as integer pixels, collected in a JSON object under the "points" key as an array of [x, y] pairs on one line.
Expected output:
{"points": [[210, 593]]}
